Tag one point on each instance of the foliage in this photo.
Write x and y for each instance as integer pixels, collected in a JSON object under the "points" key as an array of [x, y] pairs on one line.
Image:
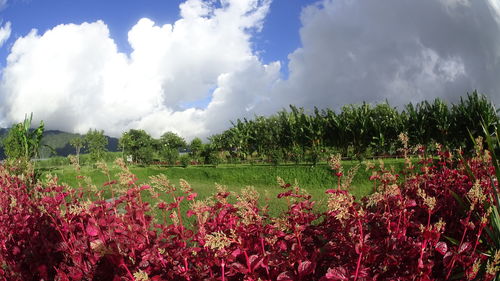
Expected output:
{"points": [[139, 144], [78, 143], [185, 160], [410, 228], [96, 143], [170, 155], [359, 130], [491, 234], [276, 156], [169, 145], [22, 141], [196, 147], [171, 140], [296, 135]]}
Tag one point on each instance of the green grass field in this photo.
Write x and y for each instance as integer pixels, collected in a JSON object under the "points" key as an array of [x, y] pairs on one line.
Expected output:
{"points": [[313, 179]]}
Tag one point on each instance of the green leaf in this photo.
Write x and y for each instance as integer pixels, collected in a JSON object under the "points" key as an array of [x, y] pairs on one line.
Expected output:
{"points": [[491, 148], [461, 202], [452, 240]]}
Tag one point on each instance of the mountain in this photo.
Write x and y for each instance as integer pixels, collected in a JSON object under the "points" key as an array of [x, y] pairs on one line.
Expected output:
{"points": [[59, 141], [3, 134]]}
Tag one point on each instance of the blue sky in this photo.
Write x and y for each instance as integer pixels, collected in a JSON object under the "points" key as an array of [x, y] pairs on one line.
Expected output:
{"points": [[278, 38], [192, 66]]}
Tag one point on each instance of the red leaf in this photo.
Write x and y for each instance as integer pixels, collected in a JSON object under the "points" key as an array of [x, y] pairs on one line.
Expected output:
{"points": [[16, 251], [239, 267], [91, 230], [338, 273], [192, 196], [190, 213], [282, 245], [236, 252], [285, 276], [442, 248], [109, 183], [411, 203], [305, 268], [255, 261], [447, 258], [464, 247]]}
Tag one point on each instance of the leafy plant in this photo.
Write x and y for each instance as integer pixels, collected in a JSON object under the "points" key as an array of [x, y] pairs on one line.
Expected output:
{"points": [[185, 160], [96, 142], [411, 227], [138, 144], [22, 141], [78, 143]]}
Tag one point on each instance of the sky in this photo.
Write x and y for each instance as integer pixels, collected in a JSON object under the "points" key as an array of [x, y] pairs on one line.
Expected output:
{"points": [[192, 66]]}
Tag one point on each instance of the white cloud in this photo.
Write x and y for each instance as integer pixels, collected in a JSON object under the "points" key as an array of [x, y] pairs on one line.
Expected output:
{"points": [[74, 78], [247, 91], [4, 32], [495, 9], [399, 50]]}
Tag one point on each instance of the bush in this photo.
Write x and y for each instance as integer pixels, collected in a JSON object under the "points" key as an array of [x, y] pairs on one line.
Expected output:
{"points": [[276, 156], [171, 155], [53, 161], [414, 226], [296, 154], [212, 158], [185, 160]]}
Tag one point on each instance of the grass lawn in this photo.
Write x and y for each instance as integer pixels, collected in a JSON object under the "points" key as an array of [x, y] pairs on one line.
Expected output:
{"points": [[313, 179]]}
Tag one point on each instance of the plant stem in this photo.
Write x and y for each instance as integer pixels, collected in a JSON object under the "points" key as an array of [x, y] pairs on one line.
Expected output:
{"points": [[126, 269], [361, 241], [223, 264], [459, 245]]}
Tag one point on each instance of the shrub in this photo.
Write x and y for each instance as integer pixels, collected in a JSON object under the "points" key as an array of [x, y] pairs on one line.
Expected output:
{"points": [[185, 160], [171, 155], [416, 225], [276, 156]]}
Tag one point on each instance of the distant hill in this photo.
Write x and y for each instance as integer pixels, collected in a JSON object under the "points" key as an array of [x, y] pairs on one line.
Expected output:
{"points": [[3, 134], [59, 141]]}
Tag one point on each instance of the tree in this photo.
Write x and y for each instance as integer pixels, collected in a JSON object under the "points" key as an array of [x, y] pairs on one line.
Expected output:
{"points": [[170, 143], [96, 143], [138, 144], [172, 140], [77, 143], [22, 142], [196, 146]]}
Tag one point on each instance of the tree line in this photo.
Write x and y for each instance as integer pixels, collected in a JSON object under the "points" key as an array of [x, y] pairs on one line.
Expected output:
{"points": [[294, 135], [356, 130]]}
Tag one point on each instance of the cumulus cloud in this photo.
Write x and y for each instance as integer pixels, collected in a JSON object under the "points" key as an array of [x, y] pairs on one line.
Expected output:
{"points": [[4, 32], [74, 78], [399, 50]]}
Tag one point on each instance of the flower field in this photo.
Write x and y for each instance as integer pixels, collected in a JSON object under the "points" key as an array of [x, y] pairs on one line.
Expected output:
{"points": [[434, 220]]}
